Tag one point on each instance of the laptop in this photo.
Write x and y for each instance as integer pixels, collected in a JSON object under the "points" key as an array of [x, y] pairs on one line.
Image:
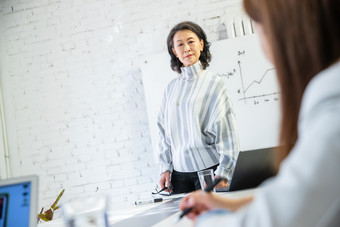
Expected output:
{"points": [[252, 168], [18, 201]]}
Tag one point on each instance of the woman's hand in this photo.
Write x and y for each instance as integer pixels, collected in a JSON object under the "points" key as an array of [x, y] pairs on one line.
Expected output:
{"points": [[203, 201], [223, 183], [164, 180], [200, 201]]}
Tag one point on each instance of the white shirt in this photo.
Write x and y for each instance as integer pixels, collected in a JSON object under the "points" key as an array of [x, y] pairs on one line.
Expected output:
{"points": [[196, 124], [306, 191]]}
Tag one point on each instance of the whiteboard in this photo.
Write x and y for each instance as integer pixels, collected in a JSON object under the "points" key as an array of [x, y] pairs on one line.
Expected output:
{"points": [[251, 82]]}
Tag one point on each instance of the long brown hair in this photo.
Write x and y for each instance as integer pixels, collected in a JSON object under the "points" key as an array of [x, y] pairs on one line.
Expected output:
{"points": [[304, 36]]}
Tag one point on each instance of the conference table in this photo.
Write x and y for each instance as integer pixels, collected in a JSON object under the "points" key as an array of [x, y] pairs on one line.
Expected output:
{"points": [[159, 214]]}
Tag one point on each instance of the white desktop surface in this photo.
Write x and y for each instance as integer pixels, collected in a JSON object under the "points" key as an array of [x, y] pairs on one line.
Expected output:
{"points": [[128, 212]]}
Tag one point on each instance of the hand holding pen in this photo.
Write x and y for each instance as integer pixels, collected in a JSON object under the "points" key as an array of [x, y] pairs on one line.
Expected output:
{"points": [[187, 209]]}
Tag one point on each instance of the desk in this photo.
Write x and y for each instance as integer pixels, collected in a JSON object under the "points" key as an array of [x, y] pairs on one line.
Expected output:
{"points": [[160, 214]]}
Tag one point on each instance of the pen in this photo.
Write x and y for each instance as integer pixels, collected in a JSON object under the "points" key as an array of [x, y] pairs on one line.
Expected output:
{"points": [[189, 209]]}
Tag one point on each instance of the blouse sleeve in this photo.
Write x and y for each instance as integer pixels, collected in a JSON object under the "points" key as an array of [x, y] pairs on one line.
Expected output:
{"points": [[164, 148], [226, 138]]}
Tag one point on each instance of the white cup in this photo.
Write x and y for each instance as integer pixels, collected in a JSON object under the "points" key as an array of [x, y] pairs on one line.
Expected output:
{"points": [[206, 178]]}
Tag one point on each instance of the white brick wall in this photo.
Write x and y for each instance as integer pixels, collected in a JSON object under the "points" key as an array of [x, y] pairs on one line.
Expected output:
{"points": [[73, 91]]}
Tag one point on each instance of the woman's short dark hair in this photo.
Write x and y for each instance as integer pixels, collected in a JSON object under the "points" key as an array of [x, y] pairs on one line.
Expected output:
{"points": [[205, 57]]}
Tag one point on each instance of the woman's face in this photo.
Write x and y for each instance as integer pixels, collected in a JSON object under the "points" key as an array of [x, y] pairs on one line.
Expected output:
{"points": [[187, 47], [264, 41]]}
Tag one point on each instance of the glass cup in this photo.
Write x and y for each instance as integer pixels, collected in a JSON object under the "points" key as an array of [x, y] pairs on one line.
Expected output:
{"points": [[206, 178], [90, 212]]}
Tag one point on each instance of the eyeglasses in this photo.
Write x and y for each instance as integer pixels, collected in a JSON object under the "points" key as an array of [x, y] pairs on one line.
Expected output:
{"points": [[163, 191]]}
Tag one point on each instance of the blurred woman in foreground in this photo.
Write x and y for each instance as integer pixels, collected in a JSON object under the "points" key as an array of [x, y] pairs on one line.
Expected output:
{"points": [[302, 39]]}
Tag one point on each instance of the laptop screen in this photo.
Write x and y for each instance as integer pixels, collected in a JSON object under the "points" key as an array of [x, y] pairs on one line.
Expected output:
{"points": [[16, 208], [252, 168]]}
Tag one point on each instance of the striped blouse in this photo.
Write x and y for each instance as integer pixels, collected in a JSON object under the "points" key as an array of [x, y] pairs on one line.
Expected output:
{"points": [[196, 124]]}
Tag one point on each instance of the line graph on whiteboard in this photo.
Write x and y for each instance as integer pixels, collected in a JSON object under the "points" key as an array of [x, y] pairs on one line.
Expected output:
{"points": [[253, 89], [246, 90], [248, 81]]}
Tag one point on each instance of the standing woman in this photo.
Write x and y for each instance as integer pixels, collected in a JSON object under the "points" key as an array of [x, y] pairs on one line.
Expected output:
{"points": [[302, 39], [196, 121]]}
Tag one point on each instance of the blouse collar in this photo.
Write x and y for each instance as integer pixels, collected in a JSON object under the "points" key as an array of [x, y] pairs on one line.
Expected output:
{"points": [[192, 71]]}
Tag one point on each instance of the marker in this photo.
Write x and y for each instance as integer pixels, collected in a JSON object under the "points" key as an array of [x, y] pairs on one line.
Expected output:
{"points": [[189, 209], [157, 200]]}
